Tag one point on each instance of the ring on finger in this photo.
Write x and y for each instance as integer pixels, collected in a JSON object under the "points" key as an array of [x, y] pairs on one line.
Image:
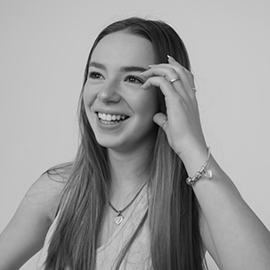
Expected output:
{"points": [[174, 80]]}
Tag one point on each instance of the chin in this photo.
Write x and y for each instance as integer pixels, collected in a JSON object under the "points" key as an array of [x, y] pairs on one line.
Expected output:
{"points": [[109, 143]]}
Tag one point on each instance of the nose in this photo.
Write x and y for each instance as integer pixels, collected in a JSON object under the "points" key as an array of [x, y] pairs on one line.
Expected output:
{"points": [[109, 92]]}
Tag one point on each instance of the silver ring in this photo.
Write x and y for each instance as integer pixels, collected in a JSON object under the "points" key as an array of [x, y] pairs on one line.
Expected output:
{"points": [[174, 80], [164, 121]]}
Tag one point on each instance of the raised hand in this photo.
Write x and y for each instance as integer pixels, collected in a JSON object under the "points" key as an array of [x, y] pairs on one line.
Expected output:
{"points": [[182, 122]]}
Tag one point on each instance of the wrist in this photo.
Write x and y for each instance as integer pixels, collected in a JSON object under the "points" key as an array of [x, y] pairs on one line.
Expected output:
{"points": [[194, 159], [203, 172]]}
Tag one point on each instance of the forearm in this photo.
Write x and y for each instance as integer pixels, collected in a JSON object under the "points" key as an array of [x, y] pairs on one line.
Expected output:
{"points": [[240, 238]]}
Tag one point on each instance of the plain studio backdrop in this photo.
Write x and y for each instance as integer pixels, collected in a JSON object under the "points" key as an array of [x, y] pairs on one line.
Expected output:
{"points": [[43, 50]]}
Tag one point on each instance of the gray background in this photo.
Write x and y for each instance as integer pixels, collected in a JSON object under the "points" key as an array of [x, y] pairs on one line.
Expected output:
{"points": [[43, 50]]}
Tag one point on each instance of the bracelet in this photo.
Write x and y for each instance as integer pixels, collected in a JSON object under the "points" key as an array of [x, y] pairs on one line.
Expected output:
{"points": [[202, 172]]}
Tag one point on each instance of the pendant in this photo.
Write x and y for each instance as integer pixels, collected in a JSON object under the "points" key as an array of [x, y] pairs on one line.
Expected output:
{"points": [[208, 174], [118, 219]]}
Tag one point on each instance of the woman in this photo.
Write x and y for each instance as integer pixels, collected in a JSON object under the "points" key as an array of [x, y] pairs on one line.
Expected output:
{"points": [[144, 191]]}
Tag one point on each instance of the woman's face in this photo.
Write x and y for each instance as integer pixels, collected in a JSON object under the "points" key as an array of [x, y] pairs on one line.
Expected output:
{"points": [[119, 111]]}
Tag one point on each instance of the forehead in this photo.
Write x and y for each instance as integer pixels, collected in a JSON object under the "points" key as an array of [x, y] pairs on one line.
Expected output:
{"points": [[122, 48]]}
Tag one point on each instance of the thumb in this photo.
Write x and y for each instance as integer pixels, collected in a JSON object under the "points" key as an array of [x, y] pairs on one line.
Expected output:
{"points": [[160, 119]]}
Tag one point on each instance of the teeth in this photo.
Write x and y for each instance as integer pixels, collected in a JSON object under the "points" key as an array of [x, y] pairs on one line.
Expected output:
{"points": [[111, 117]]}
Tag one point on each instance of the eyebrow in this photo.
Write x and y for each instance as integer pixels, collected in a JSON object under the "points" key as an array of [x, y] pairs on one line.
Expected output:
{"points": [[122, 69]]}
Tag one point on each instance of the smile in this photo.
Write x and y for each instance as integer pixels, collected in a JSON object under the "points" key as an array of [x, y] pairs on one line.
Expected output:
{"points": [[109, 119]]}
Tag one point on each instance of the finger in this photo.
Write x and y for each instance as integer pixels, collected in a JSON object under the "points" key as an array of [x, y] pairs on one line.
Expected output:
{"points": [[177, 65], [161, 120], [164, 70], [172, 71], [168, 78], [164, 85], [173, 68], [185, 75]]}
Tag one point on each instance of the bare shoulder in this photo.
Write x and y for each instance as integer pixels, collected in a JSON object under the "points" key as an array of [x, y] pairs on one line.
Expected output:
{"points": [[25, 233], [45, 193]]}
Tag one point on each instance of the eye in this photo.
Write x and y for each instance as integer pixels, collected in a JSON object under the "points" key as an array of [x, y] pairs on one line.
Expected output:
{"points": [[134, 79], [95, 75]]}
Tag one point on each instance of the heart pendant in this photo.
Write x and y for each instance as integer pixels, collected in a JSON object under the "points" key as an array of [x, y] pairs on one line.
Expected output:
{"points": [[209, 174], [118, 219]]}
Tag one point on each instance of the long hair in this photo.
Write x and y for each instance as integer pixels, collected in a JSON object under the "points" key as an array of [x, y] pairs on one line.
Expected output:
{"points": [[175, 243]]}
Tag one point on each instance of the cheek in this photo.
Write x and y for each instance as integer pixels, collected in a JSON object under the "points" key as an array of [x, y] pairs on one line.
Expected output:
{"points": [[150, 102], [88, 96]]}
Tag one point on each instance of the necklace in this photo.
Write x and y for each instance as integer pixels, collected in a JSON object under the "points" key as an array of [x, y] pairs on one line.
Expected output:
{"points": [[119, 218]]}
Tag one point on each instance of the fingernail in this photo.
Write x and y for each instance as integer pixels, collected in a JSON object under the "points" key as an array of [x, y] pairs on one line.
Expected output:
{"points": [[142, 73], [170, 57], [145, 85]]}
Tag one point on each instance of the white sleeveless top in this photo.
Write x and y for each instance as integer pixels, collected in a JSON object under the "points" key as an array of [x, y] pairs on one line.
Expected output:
{"points": [[137, 258]]}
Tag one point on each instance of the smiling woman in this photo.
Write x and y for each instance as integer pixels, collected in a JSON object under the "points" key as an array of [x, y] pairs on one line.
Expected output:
{"points": [[144, 191]]}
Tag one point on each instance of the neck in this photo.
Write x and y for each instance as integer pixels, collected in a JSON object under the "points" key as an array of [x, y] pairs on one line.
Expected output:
{"points": [[129, 172]]}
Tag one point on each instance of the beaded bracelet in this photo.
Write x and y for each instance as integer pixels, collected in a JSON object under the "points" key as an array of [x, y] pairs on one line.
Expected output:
{"points": [[202, 172]]}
